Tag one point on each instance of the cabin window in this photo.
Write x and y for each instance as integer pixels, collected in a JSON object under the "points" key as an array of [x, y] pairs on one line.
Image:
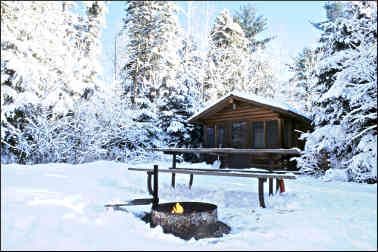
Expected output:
{"points": [[239, 134], [288, 127], [295, 134], [272, 133], [210, 137], [258, 140], [221, 136]]}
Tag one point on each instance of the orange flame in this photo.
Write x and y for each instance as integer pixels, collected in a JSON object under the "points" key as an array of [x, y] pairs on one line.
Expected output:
{"points": [[177, 209]]}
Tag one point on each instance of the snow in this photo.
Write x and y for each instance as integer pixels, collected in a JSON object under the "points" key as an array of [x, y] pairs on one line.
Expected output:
{"points": [[336, 175], [59, 206], [252, 97]]}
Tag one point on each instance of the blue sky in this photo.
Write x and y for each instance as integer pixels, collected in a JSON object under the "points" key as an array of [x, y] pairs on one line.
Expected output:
{"points": [[289, 20]]}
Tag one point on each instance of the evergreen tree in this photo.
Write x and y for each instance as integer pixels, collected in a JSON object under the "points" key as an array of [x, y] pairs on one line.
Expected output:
{"points": [[175, 108], [90, 44], [345, 94], [177, 103], [192, 78], [252, 25], [187, 99], [152, 47], [192, 75], [261, 79], [301, 81], [108, 125], [41, 69], [232, 67], [333, 10], [153, 68], [226, 62]]}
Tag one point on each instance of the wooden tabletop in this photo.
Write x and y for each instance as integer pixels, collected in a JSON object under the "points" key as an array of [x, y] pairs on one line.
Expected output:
{"points": [[293, 151]]}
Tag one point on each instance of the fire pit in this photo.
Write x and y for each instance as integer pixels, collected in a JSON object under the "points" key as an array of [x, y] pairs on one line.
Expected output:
{"points": [[188, 219], [182, 219]]}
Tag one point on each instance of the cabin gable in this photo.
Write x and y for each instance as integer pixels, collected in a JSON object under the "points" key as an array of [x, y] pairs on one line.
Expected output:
{"points": [[233, 109], [233, 106]]}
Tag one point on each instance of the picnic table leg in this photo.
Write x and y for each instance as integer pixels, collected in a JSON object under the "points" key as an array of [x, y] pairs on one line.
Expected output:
{"points": [[271, 179], [156, 186], [191, 181], [173, 180], [280, 184], [173, 174], [277, 184], [149, 186], [261, 192], [270, 186]]}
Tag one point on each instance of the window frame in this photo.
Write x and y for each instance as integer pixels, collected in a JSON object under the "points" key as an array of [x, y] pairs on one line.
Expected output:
{"points": [[216, 127], [253, 134], [246, 132], [277, 140], [207, 145]]}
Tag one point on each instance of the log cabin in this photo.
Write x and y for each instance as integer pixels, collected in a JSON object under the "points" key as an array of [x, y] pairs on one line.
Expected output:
{"points": [[244, 121]]}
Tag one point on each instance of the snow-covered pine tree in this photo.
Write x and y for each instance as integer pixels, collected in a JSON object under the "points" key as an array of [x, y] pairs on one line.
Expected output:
{"points": [[192, 60], [89, 43], [32, 69], [152, 73], [252, 25], [88, 70], [261, 78], [188, 96], [232, 66], [345, 102], [175, 107], [108, 125], [152, 27], [227, 64], [39, 69], [333, 10], [191, 77], [178, 97], [302, 68]]}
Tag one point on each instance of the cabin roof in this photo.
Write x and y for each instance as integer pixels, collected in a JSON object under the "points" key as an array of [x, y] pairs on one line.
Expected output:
{"points": [[273, 104]]}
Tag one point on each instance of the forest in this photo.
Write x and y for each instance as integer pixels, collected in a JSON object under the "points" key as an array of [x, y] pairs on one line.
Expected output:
{"points": [[57, 108]]}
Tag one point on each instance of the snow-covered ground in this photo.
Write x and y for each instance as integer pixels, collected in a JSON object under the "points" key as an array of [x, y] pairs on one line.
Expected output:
{"points": [[61, 207]]}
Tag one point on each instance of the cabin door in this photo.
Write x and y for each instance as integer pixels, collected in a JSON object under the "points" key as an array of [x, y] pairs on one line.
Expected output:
{"points": [[239, 140]]}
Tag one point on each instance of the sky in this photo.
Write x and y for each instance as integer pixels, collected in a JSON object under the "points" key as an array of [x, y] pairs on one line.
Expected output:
{"points": [[289, 21]]}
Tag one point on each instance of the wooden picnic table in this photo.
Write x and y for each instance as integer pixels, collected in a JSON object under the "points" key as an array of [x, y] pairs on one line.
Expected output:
{"points": [[262, 177]]}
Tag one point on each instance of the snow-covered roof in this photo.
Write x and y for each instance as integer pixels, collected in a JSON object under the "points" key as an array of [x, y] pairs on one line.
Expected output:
{"points": [[273, 104]]}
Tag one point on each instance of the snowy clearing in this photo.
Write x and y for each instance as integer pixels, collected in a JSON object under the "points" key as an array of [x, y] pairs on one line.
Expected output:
{"points": [[60, 207]]}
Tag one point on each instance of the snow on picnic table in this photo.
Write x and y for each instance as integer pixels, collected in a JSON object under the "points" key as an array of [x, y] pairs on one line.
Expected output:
{"points": [[61, 207]]}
